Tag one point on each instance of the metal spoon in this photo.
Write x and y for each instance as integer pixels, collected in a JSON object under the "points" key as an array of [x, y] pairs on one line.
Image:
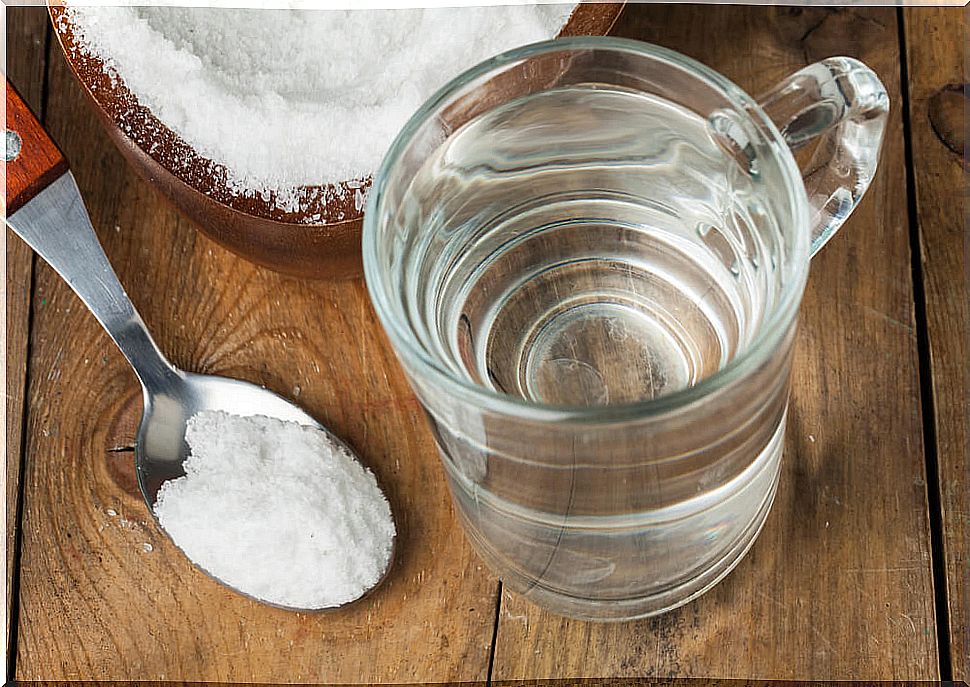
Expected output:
{"points": [[45, 209]]}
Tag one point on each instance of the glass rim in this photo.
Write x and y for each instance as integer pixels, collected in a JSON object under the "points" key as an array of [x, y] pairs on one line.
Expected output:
{"points": [[764, 342]]}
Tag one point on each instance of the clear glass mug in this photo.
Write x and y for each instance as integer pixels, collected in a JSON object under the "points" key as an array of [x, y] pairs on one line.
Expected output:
{"points": [[588, 255]]}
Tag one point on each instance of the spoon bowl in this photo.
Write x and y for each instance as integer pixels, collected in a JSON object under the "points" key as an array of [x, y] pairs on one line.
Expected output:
{"points": [[171, 399], [160, 447]]}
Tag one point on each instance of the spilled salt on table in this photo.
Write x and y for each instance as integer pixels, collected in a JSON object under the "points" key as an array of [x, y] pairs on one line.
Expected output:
{"points": [[278, 511], [284, 99]]}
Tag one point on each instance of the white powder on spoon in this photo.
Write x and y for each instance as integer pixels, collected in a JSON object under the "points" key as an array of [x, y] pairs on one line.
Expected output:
{"points": [[291, 98], [278, 511]]}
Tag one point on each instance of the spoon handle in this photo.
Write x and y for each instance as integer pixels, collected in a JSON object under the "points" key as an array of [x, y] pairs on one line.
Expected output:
{"points": [[45, 209], [30, 166]]}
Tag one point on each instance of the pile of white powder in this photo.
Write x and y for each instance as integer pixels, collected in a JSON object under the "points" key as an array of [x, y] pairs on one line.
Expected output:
{"points": [[289, 98], [278, 511]]}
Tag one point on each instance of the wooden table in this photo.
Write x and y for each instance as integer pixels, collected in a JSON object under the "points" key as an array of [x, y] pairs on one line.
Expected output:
{"points": [[863, 570]]}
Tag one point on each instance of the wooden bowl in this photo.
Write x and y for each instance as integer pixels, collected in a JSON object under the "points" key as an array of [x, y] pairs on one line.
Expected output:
{"points": [[249, 226]]}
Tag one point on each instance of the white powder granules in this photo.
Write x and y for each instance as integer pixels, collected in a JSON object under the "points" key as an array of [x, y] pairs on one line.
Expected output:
{"points": [[291, 98], [278, 511]]}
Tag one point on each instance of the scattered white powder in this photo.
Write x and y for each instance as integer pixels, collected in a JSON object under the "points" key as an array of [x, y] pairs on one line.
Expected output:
{"points": [[289, 98], [278, 511]]}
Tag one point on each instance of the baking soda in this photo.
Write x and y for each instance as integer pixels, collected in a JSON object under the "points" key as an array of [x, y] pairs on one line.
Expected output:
{"points": [[278, 511], [284, 99]]}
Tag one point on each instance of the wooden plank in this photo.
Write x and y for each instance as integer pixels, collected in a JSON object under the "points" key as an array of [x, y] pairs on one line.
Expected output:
{"points": [[599, 682], [96, 603], [26, 63], [937, 79], [839, 584]]}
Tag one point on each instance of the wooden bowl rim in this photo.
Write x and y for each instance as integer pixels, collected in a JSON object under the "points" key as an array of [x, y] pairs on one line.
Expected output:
{"points": [[587, 18]]}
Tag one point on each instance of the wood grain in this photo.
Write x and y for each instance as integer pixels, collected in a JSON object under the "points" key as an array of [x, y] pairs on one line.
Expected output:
{"points": [[96, 603], [839, 584], [937, 79], [38, 162], [575, 682], [26, 29]]}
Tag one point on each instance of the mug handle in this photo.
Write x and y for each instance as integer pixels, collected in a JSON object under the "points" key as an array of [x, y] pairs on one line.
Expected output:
{"points": [[843, 103]]}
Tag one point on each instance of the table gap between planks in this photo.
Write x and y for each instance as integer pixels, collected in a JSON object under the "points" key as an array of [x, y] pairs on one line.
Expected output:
{"points": [[839, 585], [29, 33], [938, 97]]}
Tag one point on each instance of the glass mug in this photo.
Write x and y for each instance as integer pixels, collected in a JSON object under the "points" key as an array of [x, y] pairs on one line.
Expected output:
{"points": [[588, 255]]}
